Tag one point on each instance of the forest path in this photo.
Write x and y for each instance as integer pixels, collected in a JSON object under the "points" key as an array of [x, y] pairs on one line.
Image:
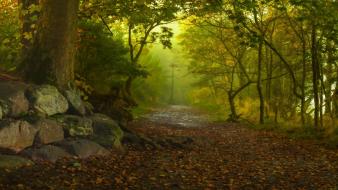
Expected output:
{"points": [[178, 116], [220, 156]]}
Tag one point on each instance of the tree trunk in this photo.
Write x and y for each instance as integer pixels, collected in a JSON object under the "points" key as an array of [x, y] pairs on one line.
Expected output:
{"points": [[269, 63], [328, 94], [127, 92], [233, 115], [335, 102], [315, 73], [303, 95], [52, 56], [259, 84]]}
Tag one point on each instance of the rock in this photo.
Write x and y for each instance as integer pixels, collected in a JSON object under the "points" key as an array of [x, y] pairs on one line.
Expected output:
{"points": [[10, 162], [106, 131], [48, 153], [16, 135], [47, 100], [76, 125], [76, 105], [83, 148], [12, 99], [49, 131]]}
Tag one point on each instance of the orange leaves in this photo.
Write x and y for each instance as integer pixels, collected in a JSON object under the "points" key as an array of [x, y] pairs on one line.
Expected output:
{"points": [[226, 156]]}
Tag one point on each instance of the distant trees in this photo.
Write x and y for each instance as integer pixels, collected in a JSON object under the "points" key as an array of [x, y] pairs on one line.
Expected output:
{"points": [[220, 57], [282, 54], [296, 44], [140, 19]]}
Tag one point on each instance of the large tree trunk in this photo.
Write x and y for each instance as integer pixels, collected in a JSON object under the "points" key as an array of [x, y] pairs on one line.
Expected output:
{"points": [[52, 56]]}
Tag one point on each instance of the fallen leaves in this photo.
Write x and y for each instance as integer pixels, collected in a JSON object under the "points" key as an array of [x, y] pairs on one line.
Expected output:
{"points": [[221, 157]]}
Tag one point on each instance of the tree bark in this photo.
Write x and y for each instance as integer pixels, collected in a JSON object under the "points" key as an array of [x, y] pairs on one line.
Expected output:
{"points": [[330, 62], [259, 84], [233, 115], [315, 74], [303, 95], [269, 63], [335, 101], [52, 56]]}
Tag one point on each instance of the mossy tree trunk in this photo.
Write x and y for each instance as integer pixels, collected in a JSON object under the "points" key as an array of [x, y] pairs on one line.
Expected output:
{"points": [[52, 55]]}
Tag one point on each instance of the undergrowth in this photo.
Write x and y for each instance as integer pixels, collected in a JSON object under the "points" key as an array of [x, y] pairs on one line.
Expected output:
{"points": [[325, 136]]}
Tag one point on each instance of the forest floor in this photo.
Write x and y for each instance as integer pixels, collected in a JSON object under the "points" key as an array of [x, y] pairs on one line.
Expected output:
{"points": [[219, 156]]}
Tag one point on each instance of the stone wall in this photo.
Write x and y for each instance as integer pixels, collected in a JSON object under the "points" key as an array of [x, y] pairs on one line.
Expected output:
{"points": [[42, 123]]}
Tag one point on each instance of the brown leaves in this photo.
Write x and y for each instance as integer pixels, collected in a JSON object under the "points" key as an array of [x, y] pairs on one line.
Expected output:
{"points": [[221, 157]]}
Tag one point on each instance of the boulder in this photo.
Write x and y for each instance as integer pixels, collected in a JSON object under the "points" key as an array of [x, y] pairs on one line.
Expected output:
{"points": [[49, 131], [47, 153], [76, 105], [16, 135], [47, 100], [13, 162], [83, 148], [106, 131], [12, 98], [76, 125]]}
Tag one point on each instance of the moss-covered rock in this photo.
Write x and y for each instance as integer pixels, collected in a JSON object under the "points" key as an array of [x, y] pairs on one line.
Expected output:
{"points": [[76, 125], [47, 100], [107, 132], [76, 105]]}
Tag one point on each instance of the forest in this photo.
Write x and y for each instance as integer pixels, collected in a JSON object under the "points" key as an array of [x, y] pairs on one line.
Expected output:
{"points": [[223, 94]]}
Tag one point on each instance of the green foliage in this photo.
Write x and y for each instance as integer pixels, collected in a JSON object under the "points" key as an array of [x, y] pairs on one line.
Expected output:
{"points": [[153, 89], [9, 34], [296, 131], [103, 59]]}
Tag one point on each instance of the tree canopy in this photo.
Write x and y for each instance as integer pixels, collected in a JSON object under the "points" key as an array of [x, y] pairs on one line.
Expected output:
{"points": [[277, 58]]}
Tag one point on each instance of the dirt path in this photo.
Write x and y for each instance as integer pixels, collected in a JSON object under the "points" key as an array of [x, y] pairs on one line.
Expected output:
{"points": [[222, 156]]}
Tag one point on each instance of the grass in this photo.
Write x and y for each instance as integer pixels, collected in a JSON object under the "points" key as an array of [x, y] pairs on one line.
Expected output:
{"points": [[329, 139]]}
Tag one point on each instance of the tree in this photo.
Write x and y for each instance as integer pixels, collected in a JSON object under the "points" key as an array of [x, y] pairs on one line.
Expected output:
{"points": [[9, 32], [218, 55], [51, 58]]}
